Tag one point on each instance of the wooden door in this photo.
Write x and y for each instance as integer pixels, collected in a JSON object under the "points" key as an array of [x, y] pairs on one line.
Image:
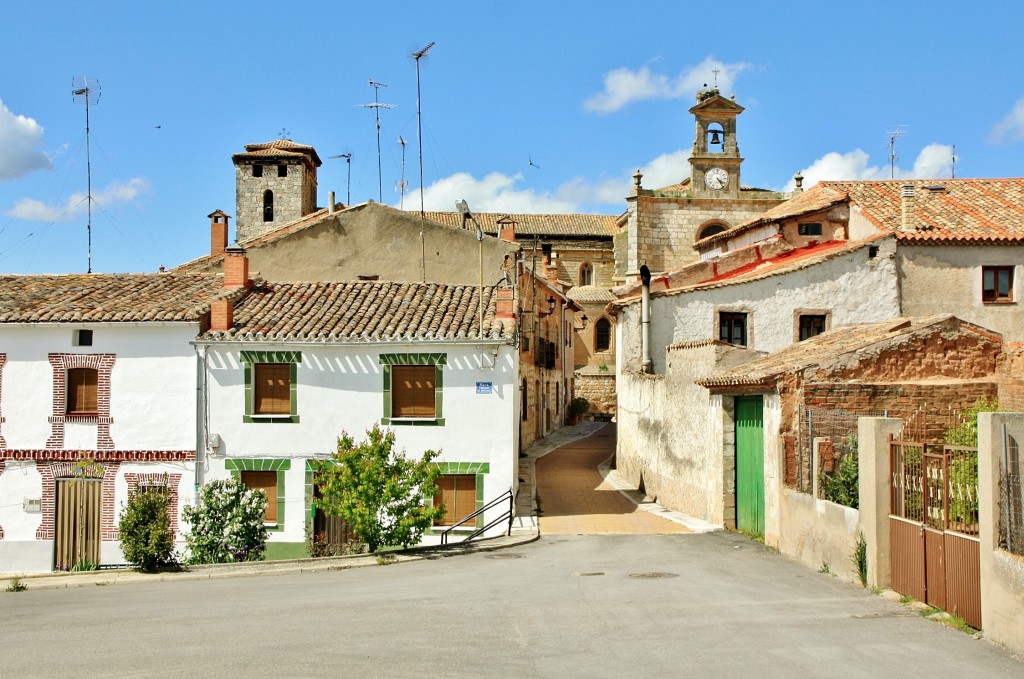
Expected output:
{"points": [[750, 464]]}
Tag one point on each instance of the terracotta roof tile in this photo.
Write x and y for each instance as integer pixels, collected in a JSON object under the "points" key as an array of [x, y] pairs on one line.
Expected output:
{"points": [[603, 226], [364, 311], [590, 294], [278, 148], [107, 297]]}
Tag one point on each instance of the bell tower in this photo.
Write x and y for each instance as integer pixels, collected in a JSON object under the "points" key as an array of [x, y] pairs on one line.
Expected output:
{"points": [[275, 183], [715, 160]]}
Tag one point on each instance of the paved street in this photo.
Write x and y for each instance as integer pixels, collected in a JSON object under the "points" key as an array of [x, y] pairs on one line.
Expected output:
{"points": [[558, 607]]}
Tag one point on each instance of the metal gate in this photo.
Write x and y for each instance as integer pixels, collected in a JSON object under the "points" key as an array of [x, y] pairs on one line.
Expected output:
{"points": [[750, 464], [933, 526], [77, 515]]}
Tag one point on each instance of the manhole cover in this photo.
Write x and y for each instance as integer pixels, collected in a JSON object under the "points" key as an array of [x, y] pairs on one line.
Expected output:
{"points": [[505, 556], [589, 575], [653, 576]]}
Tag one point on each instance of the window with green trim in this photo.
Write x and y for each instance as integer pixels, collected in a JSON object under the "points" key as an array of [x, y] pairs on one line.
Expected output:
{"points": [[413, 386], [268, 476], [270, 385]]}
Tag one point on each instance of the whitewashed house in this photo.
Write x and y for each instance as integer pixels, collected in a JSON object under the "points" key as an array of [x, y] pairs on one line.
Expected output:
{"points": [[290, 366], [93, 368]]}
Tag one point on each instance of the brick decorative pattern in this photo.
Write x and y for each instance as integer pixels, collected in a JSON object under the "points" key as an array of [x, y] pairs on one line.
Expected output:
{"points": [[3, 463], [47, 455], [52, 471], [3, 443], [172, 482], [102, 364]]}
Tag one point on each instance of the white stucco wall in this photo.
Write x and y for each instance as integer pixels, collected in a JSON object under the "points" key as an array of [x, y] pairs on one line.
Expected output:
{"points": [[853, 287], [340, 388]]}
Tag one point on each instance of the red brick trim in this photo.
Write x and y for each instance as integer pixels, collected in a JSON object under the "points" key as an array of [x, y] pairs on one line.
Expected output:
{"points": [[173, 482], [102, 364], [66, 469], [47, 455], [3, 443]]}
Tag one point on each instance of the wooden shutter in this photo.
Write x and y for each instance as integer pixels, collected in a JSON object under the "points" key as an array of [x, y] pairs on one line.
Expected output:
{"points": [[457, 492], [81, 394], [267, 482], [273, 389], [412, 391]]}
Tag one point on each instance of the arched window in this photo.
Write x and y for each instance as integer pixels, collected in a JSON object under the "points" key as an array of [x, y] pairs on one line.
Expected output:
{"points": [[586, 273], [716, 138], [602, 335], [268, 206], [710, 230]]}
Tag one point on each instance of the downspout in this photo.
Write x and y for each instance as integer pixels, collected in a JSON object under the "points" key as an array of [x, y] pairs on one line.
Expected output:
{"points": [[647, 365], [200, 417]]}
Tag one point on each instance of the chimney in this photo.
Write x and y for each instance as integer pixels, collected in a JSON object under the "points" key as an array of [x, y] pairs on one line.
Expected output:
{"points": [[507, 229], [218, 232], [222, 315], [505, 304], [798, 179], [330, 202], [907, 202], [236, 267], [551, 267]]}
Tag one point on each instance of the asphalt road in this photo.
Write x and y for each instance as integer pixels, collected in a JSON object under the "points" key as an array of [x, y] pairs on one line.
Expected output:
{"points": [[565, 606]]}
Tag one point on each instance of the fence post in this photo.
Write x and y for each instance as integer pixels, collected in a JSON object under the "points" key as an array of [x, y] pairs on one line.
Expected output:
{"points": [[874, 434]]}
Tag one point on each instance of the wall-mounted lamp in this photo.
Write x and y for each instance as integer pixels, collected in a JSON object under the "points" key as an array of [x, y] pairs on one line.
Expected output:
{"points": [[551, 308], [583, 320]]}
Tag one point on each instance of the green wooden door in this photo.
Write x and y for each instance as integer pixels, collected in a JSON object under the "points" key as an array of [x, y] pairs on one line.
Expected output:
{"points": [[750, 464]]}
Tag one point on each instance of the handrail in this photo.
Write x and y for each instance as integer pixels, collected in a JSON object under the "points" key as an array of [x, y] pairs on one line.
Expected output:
{"points": [[508, 514]]}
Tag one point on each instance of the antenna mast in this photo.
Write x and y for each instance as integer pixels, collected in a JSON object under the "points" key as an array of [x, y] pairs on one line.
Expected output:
{"points": [[952, 163], [348, 188], [87, 90], [417, 55], [401, 184], [899, 131], [377, 106]]}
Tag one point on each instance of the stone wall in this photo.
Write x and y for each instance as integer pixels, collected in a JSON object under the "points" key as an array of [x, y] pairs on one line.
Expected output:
{"points": [[294, 196], [598, 389]]}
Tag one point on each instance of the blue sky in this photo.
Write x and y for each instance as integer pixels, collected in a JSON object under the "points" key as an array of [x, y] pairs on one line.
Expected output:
{"points": [[588, 91]]}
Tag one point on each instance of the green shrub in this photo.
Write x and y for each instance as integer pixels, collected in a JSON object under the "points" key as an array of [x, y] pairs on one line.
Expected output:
{"points": [[842, 486], [579, 406], [227, 525], [966, 433], [145, 528], [860, 560]]}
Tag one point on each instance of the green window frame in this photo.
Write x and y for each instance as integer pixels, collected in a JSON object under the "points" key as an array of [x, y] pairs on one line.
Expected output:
{"points": [[481, 470], [249, 360], [237, 466], [388, 361]]}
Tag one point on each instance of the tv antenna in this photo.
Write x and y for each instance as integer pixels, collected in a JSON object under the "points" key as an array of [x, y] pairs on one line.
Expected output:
{"points": [[896, 133], [87, 90], [377, 106], [952, 163], [348, 189], [401, 184], [417, 55]]}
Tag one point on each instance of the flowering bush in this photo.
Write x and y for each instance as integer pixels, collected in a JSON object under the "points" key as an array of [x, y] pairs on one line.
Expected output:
{"points": [[145, 528], [227, 526]]}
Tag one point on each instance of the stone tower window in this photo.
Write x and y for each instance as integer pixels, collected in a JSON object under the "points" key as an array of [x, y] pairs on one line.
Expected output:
{"points": [[586, 274], [602, 335], [282, 170], [268, 206], [711, 230], [716, 138], [257, 170]]}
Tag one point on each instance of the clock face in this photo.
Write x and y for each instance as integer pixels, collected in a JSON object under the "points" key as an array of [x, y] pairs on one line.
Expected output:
{"points": [[716, 178]]}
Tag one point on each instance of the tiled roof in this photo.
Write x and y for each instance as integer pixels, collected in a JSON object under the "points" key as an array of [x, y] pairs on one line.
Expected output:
{"points": [[602, 226], [818, 197], [590, 294], [278, 148], [945, 210], [364, 311], [107, 297], [828, 348]]}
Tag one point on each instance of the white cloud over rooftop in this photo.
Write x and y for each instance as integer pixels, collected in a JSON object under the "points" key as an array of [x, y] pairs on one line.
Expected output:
{"points": [[20, 139]]}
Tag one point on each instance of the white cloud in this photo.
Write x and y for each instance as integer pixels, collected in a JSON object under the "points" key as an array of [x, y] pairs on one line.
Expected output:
{"points": [[666, 169], [933, 162], [115, 192], [623, 85], [496, 192], [1010, 129], [20, 138]]}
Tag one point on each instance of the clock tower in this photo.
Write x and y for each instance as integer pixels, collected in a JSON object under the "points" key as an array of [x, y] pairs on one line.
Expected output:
{"points": [[715, 160]]}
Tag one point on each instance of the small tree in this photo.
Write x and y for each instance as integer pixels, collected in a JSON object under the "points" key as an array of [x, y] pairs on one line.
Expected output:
{"points": [[227, 525], [145, 528], [378, 490]]}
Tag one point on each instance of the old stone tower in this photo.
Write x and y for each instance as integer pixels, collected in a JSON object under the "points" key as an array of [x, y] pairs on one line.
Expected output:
{"points": [[663, 224], [275, 183]]}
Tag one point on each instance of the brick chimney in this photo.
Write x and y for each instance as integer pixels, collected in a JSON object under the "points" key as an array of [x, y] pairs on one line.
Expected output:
{"points": [[507, 229], [236, 267], [505, 304], [907, 202], [222, 315], [218, 232]]}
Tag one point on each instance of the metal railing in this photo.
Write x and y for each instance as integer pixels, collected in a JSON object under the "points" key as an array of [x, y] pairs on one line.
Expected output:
{"points": [[508, 514]]}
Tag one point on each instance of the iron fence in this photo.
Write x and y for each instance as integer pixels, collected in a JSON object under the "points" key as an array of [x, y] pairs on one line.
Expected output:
{"points": [[1011, 499], [838, 425]]}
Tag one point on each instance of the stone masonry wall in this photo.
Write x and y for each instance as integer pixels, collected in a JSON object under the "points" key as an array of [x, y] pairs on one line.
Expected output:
{"points": [[599, 390], [292, 198]]}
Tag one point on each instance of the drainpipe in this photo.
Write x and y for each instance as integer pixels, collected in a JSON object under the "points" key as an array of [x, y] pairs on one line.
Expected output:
{"points": [[645, 320], [200, 418]]}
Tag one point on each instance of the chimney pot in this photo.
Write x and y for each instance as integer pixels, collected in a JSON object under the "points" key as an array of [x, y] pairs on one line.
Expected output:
{"points": [[218, 232], [907, 207], [236, 267]]}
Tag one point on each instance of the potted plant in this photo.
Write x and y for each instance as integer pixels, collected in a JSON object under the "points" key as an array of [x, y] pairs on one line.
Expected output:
{"points": [[578, 407]]}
